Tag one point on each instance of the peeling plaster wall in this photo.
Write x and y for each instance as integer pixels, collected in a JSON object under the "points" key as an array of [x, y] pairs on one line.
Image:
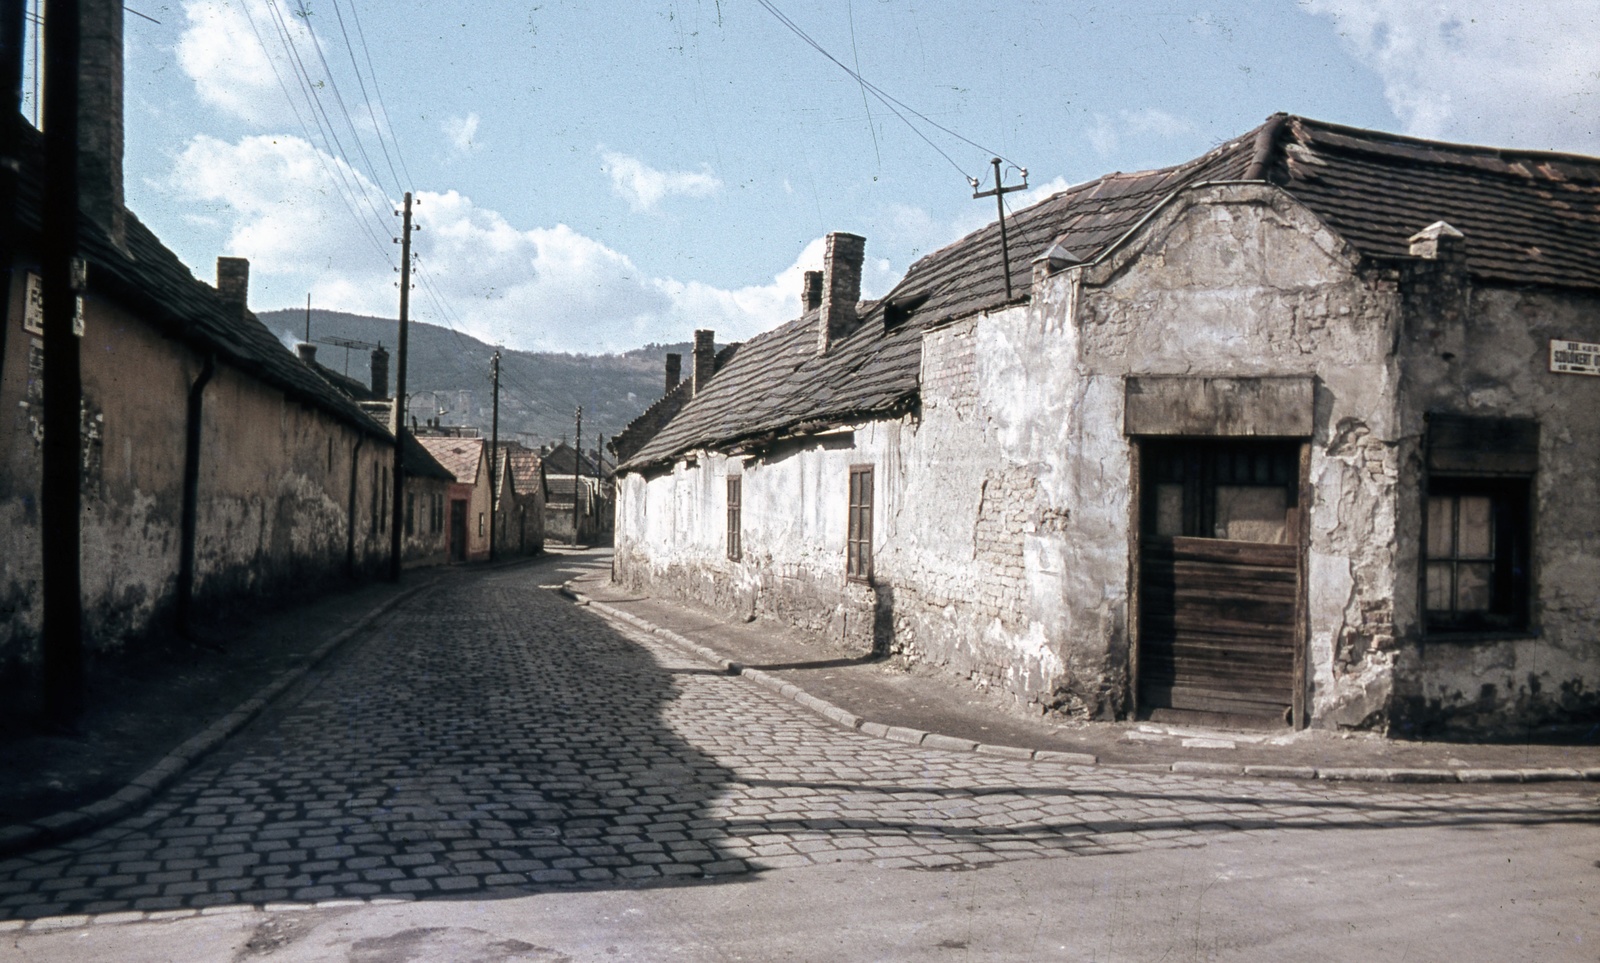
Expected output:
{"points": [[273, 496], [1492, 359]]}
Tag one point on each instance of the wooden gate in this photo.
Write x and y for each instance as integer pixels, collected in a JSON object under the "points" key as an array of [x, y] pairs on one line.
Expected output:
{"points": [[1219, 578]]}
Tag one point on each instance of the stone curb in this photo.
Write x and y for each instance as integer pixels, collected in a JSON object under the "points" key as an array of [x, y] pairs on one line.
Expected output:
{"points": [[21, 838], [1193, 767]]}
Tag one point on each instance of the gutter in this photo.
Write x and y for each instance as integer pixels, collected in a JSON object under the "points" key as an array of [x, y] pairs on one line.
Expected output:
{"points": [[191, 492]]}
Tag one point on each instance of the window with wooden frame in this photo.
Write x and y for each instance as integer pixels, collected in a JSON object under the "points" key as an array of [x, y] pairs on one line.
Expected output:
{"points": [[858, 539], [735, 521], [1477, 523]]}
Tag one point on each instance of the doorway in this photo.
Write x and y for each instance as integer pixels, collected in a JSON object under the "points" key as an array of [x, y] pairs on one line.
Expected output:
{"points": [[458, 530], [1219, 577]]}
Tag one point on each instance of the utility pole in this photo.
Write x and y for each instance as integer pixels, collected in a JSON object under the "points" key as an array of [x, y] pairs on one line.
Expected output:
{"points": [[60, 502], [577, 475], [999, 193], [397, 513], [494, 453]]}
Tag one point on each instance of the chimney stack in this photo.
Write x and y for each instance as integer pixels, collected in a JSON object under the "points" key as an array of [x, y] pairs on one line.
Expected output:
{"points": [[380, 372], [100, 116], [841, 288], [233, 284], [705, 358], [308, 352], [811, 293], [674, 371], [1438, 242]]}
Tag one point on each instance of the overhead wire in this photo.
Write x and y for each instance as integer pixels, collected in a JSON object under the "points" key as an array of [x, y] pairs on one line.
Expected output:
{"points": [[377, 90], [378, 131]]}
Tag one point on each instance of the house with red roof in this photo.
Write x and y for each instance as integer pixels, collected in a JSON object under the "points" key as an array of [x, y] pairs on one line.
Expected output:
{"points": [[1299, 432]]}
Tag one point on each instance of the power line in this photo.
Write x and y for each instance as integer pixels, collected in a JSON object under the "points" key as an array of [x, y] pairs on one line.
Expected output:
{"points": [[378, 91], [378, 131], [888, 100]]}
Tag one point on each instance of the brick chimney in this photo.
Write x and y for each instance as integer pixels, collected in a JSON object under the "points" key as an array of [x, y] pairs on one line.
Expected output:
{"points": [[705, 358], [308, 352], [100, 116], [811, 292], [674, 370], [380, 372], [841, 288], [233, 284]]}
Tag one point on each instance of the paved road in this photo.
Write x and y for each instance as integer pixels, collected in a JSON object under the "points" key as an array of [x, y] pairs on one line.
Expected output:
{"points": [[489, 743]]}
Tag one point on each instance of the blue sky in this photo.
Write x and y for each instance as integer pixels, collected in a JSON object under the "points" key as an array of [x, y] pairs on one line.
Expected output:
{"points": [[595, 176]]}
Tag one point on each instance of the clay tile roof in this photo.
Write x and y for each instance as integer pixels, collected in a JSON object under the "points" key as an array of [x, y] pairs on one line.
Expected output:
{"points": [[1529, 218], [459, 456], [524, 465]]}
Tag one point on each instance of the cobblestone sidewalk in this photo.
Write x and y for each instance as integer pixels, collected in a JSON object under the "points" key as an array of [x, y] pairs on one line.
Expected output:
{"points": [[489, 737]]}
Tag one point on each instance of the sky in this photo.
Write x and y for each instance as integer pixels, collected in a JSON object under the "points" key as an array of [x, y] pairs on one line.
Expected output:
{"points": [[595, 176]]}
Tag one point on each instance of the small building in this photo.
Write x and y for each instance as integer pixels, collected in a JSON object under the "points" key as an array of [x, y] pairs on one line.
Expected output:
{"points": [[592, 490], [1300, 430], [524, 520], [468, 496]]}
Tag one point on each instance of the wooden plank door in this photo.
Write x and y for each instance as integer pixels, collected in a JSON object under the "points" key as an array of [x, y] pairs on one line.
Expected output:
{"points": [[1219, 577]]}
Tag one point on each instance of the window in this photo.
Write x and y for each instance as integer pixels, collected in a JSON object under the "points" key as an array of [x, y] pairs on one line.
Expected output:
{"points": [[1477, 554], [1242, 491], [411, 511], [858, 542], [1477, 531], [735, 546], [383, 501], [480, 524]]}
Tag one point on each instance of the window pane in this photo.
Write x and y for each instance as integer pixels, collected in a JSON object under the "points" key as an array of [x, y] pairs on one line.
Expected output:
{"points": [[1439, 527], [1474, 527], [1438, 586], [1472, 587], [1169, 509], [1248, 513]]}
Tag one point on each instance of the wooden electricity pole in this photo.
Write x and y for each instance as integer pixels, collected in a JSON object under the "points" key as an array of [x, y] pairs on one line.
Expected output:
{"points": [[397, 512], [999, 193], [59, 496], [494, 453], [577, 474]]}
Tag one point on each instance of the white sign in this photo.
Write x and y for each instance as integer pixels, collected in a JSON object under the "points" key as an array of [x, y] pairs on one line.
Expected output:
{"points": [[33, 310], [1574, 357]]}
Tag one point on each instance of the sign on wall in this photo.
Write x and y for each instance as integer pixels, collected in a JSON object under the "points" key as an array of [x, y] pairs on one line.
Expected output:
{"points": [[33, 309], [1574, 357]]}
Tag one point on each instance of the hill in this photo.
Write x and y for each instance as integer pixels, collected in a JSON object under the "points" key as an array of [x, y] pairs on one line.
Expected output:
{"points": [[448, 374]]}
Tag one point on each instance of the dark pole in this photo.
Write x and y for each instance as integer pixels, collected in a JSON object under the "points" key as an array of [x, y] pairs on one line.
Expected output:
{"points": [[999, 193], [397, 512], [577, 475], [13, 34], [59, 497], [494, 452]]}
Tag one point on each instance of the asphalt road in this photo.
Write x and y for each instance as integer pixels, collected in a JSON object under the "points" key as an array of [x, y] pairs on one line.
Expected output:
{"points": [[493, 773]]}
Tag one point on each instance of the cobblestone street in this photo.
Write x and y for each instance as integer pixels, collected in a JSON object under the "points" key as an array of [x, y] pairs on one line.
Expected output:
{"points": [[489, 738]]}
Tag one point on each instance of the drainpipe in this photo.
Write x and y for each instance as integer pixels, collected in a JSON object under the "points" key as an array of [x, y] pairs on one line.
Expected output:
{"points": [[191, 493], [350, 529]]}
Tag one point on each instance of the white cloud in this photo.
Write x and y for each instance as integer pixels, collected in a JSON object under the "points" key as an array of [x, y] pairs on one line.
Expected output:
{"points": [[224, 50], [643, 187], [1106, 133], [463, 133], [1523, 75], [537, 288]]}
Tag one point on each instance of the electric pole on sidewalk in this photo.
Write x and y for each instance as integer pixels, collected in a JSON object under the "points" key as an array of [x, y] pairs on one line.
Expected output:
{"points": [[397, 512], [60, 500], [577, 474], [494, 453]]}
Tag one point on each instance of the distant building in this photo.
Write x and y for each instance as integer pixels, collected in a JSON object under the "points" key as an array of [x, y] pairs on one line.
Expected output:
{"points": [[1302, 430], [592, 489]]}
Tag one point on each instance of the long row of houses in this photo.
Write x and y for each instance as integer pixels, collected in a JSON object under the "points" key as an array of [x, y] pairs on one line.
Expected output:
{"points": [[216, 465], [1304, 429]]}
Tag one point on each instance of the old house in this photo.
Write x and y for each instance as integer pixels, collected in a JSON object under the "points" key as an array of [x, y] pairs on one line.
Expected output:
{"points": [[216, 467], [427, 483], [481, 506], [524, 521], [1302, 429], [573, 476]]}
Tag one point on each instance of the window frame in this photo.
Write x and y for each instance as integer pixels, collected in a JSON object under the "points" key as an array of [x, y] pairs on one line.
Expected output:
{"points": [[858, 528], [735, 505], [1510, 555]]}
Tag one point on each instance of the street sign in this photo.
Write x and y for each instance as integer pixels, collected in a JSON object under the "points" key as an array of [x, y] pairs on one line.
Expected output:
{"points": [[1574, 357]]}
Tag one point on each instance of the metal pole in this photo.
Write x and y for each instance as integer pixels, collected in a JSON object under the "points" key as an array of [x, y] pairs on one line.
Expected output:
{"points": [[397, 512], [59, 497]]}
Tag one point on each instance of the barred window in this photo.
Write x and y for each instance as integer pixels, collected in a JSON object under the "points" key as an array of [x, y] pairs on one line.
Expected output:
{"points": [[858, 543], [735, 544]]}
